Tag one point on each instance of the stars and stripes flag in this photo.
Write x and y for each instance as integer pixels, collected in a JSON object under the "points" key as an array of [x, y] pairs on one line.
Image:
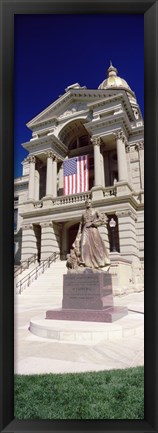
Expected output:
{"points": [[76, 174]]}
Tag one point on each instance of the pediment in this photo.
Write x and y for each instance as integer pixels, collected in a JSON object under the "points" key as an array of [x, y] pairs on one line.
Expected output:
{"points": [[64, 107]]}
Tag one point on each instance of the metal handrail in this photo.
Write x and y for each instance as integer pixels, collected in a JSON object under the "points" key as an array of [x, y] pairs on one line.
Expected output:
{"points": [[34, 274], [24, 265]]}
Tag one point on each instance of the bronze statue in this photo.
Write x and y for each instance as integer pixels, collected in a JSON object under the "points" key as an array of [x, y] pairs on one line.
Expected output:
{"points": [[88, 249]]}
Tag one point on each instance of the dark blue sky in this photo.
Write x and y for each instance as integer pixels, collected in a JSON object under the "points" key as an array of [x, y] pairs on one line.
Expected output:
{"points": [[54, 51]]}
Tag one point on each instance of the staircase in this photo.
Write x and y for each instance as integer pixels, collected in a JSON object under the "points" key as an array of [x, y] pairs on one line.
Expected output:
{"points": [[24, 273], [47, 288]]}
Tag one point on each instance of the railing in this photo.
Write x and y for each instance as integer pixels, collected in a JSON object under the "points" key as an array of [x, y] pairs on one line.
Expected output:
{"points": [[24, 265], [77, 198], [72, 198], [110, 191], [38, 204], [35, 273]]}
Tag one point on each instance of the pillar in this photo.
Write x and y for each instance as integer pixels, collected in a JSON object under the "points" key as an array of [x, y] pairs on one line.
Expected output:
{"points": [[31, 188], [121, 157], [128, 151], [102, 169], [51, 175], [50, 239], [128, 242], [140, 148], [29, 242], [54, 175], [61, 180], [97, 159], [106, 169], [37, 183], [97, 190]]}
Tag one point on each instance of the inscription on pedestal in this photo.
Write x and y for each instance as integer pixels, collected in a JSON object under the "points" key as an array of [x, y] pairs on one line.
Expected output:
{"points": [[90, 290]]}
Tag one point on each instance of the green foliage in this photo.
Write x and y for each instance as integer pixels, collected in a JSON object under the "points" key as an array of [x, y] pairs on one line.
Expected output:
{"points": [[114, 394]]}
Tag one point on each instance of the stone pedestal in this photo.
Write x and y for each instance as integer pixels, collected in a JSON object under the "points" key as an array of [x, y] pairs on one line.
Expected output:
{"points": [[88, 290], [87, 296]]}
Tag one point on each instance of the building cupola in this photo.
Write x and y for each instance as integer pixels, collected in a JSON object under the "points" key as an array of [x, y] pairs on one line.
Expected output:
{"points": [[113, 81]]}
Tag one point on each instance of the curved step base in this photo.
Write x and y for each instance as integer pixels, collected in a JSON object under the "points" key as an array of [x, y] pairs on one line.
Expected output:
{"points": [[88, 333]]}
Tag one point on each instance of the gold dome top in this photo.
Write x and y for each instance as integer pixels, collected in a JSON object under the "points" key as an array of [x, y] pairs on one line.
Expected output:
{"points": [[113, 81]]}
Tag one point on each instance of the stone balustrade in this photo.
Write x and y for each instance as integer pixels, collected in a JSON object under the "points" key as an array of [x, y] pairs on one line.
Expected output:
{"points": [[69, 199], [110, 191], [38, 204]]}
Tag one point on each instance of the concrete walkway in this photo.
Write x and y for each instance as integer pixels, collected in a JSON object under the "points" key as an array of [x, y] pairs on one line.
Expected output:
{"points": [[36, 355]]}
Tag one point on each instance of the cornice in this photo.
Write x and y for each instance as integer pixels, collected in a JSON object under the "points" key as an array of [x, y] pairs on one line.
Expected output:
{"points": [[56, 103], [126, 213], [55, 144], [74, 95], [21, 180], [110, 120], [63, 210], [62, 100], [23, 186], [105, 100]]}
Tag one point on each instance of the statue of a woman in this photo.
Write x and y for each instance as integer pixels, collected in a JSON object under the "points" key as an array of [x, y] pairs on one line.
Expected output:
{"points": [[88, 246]]}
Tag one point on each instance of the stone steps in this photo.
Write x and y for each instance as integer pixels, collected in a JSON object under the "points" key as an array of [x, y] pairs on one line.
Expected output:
{"points": [[47, 285], [19, 277]]}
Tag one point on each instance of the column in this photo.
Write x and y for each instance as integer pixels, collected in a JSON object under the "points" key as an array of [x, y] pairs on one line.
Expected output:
{"points": [[96, 141], [61, 180], [121, 156], [140, 147], [37, 184], [106, 169], [51, 176], [128, 150], [50, 239], [29, 242], [128, 242], [54, 174], [31, 189], [102, 169]]}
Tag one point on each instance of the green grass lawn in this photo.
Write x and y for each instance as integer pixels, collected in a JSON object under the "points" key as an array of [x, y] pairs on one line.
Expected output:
{"points": [[115, 394]]}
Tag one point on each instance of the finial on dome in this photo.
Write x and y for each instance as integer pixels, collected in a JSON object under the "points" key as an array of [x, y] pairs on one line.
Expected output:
{"points": [[112, 71]]}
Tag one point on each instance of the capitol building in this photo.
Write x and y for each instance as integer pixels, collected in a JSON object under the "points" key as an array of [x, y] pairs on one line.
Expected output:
{"points": [[89, 143]]}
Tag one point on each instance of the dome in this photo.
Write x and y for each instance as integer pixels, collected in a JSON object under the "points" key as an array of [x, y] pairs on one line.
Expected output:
{"points": [[113, 81]]}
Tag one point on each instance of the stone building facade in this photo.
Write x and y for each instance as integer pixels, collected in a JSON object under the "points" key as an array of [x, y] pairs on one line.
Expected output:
{"points": [[105, 123]]}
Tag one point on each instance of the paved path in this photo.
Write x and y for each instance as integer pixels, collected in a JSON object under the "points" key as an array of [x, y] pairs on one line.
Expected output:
{"points": [[36, 355]]}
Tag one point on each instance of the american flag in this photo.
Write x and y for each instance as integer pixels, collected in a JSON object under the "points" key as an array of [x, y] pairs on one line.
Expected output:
{"points": [[76, 177]]}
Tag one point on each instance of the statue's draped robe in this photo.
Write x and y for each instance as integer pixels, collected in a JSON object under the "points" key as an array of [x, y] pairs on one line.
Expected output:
{"points": [[93, 250]]}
